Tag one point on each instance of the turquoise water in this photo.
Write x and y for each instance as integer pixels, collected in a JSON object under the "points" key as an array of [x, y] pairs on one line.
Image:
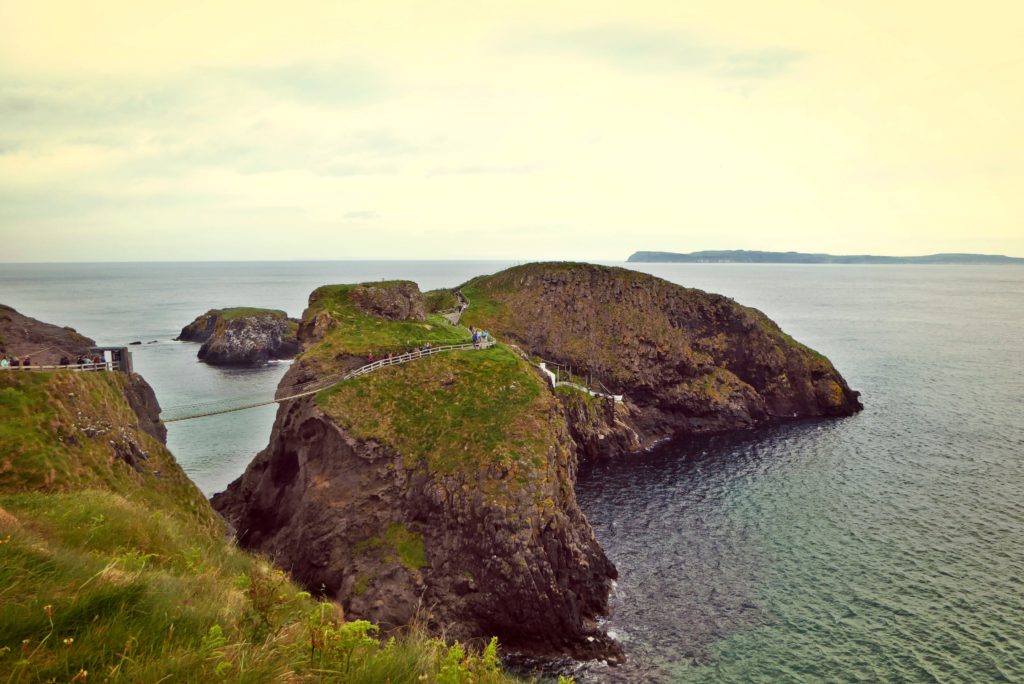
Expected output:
{"points": [[888, 546]]}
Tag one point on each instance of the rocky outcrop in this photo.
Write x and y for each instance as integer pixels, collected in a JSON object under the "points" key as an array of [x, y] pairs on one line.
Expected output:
{"points": [[480, 539], [687, 361], [373, 493], [395, 544], [44, 343], [242, 336], [395, 300]]}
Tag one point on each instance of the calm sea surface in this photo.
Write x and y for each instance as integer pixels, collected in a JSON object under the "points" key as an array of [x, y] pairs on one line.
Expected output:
{"points": [[884, 547]]}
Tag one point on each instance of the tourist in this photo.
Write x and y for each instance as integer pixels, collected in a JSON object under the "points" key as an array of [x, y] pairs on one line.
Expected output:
{"points": [[15, 362], [371, 357], [26, 362], [64, 361], [4, 363]]}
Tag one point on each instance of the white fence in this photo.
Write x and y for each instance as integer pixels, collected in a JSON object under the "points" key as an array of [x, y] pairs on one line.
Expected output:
{"points": [[555, 382], [101, 366], [413, 355]]}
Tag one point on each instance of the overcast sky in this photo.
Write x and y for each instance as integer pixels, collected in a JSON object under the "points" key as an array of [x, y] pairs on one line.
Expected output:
{"points": [[185, 130]]}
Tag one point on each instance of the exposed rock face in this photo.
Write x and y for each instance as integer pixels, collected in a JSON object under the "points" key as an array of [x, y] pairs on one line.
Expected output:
{"points": [[45, 343], [242, 336], [495, 544], [318, 500], [496, 547], [394, 301], [686, 361], [143, 402]]}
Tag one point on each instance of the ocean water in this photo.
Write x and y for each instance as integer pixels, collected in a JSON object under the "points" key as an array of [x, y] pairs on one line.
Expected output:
{"points": [[152, 302], [884, 547]]}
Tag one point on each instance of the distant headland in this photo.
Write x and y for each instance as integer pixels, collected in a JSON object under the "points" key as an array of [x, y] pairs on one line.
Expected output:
{"points": [[743, 256]]}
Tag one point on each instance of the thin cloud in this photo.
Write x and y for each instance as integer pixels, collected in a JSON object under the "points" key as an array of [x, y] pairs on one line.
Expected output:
{"points": [[645, 49]]}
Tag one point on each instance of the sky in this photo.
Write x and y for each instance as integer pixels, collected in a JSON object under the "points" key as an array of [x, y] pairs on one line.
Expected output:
{"points": [[214, 130]]}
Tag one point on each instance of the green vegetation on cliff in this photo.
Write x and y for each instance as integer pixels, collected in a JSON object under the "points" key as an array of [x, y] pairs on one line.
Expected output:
{"points": [[244, 311], [113, 567], [441, 300], [698, 354], [350, 330], [456, 412]]}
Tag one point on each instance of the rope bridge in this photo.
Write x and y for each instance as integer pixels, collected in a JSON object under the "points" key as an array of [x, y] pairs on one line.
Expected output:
{"points": [[173, 414]]}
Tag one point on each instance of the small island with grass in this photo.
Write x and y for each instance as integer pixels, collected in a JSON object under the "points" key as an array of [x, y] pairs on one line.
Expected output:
{"points": [[242, 336]]}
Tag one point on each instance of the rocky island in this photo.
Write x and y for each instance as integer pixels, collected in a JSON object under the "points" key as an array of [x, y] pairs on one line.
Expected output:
{"points": [[242, 336], [443, 490]]}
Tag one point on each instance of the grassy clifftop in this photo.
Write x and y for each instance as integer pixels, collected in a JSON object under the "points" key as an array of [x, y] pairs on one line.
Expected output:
{"points": [[458, 412], [353, 320], [113, 567]]}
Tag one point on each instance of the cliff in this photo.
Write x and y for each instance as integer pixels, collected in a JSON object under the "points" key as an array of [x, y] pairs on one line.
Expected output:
{"points": [[114, 567], [440, 490], [686, 361], [45, 343], [242, 336]]}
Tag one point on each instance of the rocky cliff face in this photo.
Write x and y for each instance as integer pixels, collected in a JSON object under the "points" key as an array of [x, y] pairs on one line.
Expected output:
{"points": [[242, 336], [441, 491], [45, 343], [686, 361]]}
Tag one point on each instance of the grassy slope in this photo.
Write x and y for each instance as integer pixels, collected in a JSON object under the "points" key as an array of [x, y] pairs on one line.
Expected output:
{"points": [[461, 411], [441, 300], [356, 333], [125, 573], [500, 303], [242, 311]]}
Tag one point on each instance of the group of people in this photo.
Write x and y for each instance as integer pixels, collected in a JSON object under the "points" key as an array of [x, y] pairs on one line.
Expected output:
{"points": [[12, 361], [480, 336]]}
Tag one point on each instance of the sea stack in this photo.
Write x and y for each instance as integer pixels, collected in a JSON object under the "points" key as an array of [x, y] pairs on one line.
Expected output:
{"points": [[242, 336]]}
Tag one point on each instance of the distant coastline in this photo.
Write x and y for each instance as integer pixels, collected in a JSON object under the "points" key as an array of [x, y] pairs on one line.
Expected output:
{"points": [[743, 256]]}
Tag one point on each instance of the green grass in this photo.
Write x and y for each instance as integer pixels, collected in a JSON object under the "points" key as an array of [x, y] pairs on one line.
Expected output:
{"points": [[398, 544], [441, 300], [127, 574], [242, 311], [356, 333], [454, 412]]}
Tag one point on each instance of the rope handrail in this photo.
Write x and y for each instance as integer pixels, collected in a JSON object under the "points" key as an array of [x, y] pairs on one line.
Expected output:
{"points": [[314, 386]]}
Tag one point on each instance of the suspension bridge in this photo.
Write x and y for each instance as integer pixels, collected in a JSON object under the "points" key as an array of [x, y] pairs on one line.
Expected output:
{"points": [[173, 414]]}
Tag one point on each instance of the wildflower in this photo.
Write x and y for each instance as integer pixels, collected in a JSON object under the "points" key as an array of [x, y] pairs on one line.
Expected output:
{"points": [[24, 645], [48, 609], [80, 677], [69, 640]]}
